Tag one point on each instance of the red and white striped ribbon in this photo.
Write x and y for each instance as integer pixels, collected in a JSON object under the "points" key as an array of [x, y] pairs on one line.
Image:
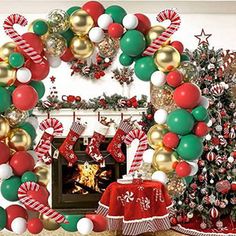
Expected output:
{"points": [[168, 14], [11, 32], [143, 144], [36, 205]]}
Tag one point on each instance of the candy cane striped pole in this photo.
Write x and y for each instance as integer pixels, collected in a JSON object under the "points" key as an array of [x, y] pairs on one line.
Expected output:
{"points": [[9, 30], [229, 61], [36, 205], [143, 144], [168, 14]]}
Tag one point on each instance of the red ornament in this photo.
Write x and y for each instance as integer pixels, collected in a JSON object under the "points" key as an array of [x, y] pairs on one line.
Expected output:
{"points": [[99, 222], [201, 129], [67, 55], [233, 154], [149, 116], [24, 97], [215, 141], [178, 46], [70, 98], [211, 156], [171, 140], [183, 169], [115, 30], [233, 186], [94, 9], [187, 96], [35, 226], [179, 219], [144, 23], [78, 98], [174, 78], [4, 153], [214, 213], [223, 186], [173, 221]]}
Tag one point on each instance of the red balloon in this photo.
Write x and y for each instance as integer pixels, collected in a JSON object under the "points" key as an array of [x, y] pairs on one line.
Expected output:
{"points": [[144, 23], [4, 153], [115, 30], [94, 9], [201, 129], [67, 55], [99, 222], [21, 162], [14, 211], [183, 169], [39, 71], [34, 41], [24, 97], [178, 45], [171, 140], [187, 96], [174, 78], [35, 226]]}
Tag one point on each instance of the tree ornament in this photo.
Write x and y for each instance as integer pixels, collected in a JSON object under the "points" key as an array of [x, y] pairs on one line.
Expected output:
{"points": [[223, 186], [219, 224], [217, 90], [203, 225], [211, 156]]}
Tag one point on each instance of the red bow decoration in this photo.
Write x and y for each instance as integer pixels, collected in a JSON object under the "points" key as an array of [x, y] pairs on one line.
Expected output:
{"points": [[132, 102]]}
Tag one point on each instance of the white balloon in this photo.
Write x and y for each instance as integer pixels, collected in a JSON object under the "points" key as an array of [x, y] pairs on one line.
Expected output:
{"points": [[5, 171], [19, 225], [54, 61], [85, 226], [160, 176], [104, 21], [160, 116], [194, 168], [204, 102], [147, 155], [34, 155], [23, 75], [130, 21], [158, 78], [33, 121], [96, 34]]}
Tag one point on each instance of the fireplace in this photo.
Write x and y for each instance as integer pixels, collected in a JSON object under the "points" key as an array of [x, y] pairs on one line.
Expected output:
{"points": [[78, 189]]}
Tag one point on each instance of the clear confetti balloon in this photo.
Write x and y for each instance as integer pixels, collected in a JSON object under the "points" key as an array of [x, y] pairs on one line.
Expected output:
{"points": [[55, 44], [176, 186], [108, 47], [15, 116], [189, 71]]}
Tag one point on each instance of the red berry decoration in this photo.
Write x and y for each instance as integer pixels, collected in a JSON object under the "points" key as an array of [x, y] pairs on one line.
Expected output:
{"points": [[115, 30], [183, 169], [201, 129], [4, 153], [174, 78], [178, 46], [171, 140], [173, 221], [35, 226], [149, 116]]}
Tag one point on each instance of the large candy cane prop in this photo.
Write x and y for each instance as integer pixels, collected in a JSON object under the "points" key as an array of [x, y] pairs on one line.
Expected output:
{"points": [[143, 144], [167, 14], [36, 205], [9, 30]]}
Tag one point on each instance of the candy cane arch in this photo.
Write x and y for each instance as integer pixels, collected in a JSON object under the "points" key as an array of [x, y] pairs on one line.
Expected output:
{"points": [[9, 30], [143, 144], [36, 205], [168, 14]]}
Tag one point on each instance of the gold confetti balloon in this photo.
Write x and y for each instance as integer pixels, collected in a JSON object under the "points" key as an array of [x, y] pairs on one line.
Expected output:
{"points": [[48, 223], [154, 33], [155, 135], [15, 116], [43, 174], [189, 71], [176, 186], [7, 74], [4, 128], [6, 49], [58, 21], [108, 47]]}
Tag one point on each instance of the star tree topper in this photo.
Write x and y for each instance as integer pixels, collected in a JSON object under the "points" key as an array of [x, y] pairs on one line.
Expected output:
{"points": [[203, 38]]}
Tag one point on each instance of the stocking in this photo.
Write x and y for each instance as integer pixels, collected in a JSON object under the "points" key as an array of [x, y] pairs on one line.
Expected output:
{"points": [[114, 148], [98, 137], [66, 149]]}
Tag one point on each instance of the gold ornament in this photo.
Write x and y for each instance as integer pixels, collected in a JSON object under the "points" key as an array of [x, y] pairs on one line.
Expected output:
{"points": [[4, 128], [108, 47], [42, 172], [155, 135], [167, 58], [6, 50], [154, 33], [48, 223], [58, 21], [19, 139], [15, 116], [163, 160], [176, 186], [81, 47], [55, 44], [189, 71], [81, 22], [7, 74]]}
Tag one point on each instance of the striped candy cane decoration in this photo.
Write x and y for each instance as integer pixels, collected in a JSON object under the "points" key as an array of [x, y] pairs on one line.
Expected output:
{"points": [[231, 56], [52, 123], [168, 14], [143, 144], [36, 205], [9, 30]]}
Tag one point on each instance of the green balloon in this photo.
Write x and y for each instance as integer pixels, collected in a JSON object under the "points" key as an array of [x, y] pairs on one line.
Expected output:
{"points": [[5, 99], [190, 147], [16, 60], [144, 67], [125, 60], [39, 87], [29, 176], [11, 88], [71, 10], [207, 119], [117, 13], [184, 57], [188, 179], [133, 43], [68, 35], [29, 128], [40, 27], [200, 113], [9, 188], [3, 218], [180, 122], [72, 225]]}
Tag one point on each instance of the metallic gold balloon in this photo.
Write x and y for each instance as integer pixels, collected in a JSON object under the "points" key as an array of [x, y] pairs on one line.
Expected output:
{"points": [[55, 44], [176, 186], [48, 223], [4, 128], [19, 139], [43, 174], [154, 33], [155, 135], [81, 47], [81, 22], [15, 116], [167, 58], [189, 71], [6, 50], [163, 160], [7, 74]]}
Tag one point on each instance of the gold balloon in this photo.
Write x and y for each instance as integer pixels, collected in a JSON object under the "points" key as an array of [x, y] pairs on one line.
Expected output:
{"points": [[15, 116], [81, 22], [19, 139], [81, 47], [42, 172], [6, 50], [4, 127], [176, 186], [167, 58], [55, 44], [48, 223], [163, 160], [155, 135], [154, 33], [7, 74]]}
